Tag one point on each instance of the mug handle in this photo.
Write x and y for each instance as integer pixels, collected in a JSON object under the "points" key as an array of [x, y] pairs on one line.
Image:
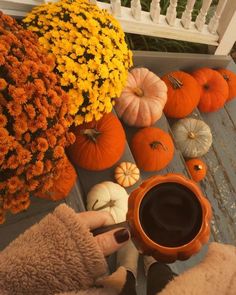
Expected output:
{"points": [[105, 229]]}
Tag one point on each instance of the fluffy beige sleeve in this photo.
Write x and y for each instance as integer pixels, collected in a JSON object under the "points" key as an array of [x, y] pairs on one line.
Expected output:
{"points": [[58, 254], [215, 275]]}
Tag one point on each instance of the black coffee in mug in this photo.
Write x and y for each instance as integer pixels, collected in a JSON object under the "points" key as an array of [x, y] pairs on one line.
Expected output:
{"points": [[170, 214]]}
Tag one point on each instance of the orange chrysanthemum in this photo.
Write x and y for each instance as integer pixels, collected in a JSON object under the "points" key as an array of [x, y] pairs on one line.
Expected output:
{"points": [[24, 156], [3, 84], [34, 118], [3, 120], [42, 144], [58, 152], [14, 109], [14, 184]]}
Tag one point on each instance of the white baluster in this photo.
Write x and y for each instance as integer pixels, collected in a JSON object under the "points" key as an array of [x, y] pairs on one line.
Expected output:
{"points": [[93, 1], [187, 14], [155, 11], [201, 18], [136, 9], [214, 22], [116, 7], [171, 12]]}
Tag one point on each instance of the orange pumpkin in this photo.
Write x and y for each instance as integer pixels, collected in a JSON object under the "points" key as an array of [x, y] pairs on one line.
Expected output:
{"points": [[99, 144], [215, 90], [153, 149], [197, 168], [183, 94], [142, 100], [62, 185], [230, 78]]}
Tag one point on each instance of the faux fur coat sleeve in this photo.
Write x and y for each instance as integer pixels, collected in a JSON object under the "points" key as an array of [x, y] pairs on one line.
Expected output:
{"points": [[58, 254]]}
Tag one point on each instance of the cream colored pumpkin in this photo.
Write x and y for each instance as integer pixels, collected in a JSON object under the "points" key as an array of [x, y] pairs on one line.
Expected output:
{"points": [[127, 174], [111, 197], [142, 101], [193, 137]]}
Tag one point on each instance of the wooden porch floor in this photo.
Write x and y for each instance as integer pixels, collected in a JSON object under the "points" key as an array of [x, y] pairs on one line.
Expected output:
{"points": [[219, 186]]}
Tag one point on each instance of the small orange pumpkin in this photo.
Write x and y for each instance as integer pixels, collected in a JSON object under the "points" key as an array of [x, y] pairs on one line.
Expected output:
{"points": [[142, 100], [99, 144], [183, 94], [215, 90], [230, 78], [153, 149], [197, 168], [126, 174], [62, 185]]}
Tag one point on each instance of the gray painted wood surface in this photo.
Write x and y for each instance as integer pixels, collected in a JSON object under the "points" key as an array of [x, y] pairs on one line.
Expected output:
{"points": [[219, 186]]}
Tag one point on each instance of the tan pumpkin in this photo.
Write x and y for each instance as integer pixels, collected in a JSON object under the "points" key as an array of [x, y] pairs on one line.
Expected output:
{"points": [[127, 174], [193, 137], [143, 99]]}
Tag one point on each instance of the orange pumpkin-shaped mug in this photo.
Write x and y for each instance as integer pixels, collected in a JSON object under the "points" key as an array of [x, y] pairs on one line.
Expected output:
{"points": [[168, 217]]}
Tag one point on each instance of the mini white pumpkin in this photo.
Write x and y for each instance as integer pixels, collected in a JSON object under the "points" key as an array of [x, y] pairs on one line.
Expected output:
{"points": [[111, 197], [193, 137]]}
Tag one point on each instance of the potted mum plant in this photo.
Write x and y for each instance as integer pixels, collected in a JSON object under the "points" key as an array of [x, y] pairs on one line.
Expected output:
{"points": [[34, 119], [91, 55]]}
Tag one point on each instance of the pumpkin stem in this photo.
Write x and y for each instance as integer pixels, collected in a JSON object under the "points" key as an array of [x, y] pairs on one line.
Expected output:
{"points": [[138, 91], [92, 134], [154, 145], [110, 203], [226, 77], [176, 84], [198, 167], [191, 135]]}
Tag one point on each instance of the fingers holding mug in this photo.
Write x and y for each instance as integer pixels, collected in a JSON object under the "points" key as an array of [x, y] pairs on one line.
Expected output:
{"points": [[113, 240]]}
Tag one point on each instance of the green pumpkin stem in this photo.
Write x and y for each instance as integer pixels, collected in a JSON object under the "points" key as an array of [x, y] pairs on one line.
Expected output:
{"points": [[154, 145], [110, 203], [92, 134], [176, 84]]}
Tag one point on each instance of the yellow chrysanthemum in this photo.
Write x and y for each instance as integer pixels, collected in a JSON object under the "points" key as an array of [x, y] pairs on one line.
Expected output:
{"points": [[92, 58]]}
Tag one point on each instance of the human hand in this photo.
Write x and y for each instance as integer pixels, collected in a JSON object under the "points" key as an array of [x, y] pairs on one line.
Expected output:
{"points": [[110, 241]]}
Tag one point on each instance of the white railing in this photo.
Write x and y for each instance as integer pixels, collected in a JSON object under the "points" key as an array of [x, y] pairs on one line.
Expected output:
{"points": [[220, 32]]}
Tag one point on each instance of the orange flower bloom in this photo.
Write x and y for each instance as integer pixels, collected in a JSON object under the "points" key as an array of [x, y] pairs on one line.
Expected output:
{"points": [[3, 149], [58, 129], [3, 135], [41, 122], [24, 156], [70, 137], [40, 87], [42, 144], [20, 127], [58, 152], [27, 137], [38, 168], [18, 94], [12, 162], [14, 184], [14, 108], [20, 170], [3, 120], [52, 140], [3, 84], [3, 101], [30, 110], [33, 184], [2, 159]]}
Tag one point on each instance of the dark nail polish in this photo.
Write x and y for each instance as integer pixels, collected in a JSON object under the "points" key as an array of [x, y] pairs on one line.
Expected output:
{"points": [[121, 235]]}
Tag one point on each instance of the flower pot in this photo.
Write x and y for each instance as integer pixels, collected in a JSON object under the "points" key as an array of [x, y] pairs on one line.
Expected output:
{"points": [[169, 217]]}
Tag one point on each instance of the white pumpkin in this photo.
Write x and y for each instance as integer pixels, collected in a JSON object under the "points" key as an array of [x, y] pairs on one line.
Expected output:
{"points": [[193, 137], [111, 197]]}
